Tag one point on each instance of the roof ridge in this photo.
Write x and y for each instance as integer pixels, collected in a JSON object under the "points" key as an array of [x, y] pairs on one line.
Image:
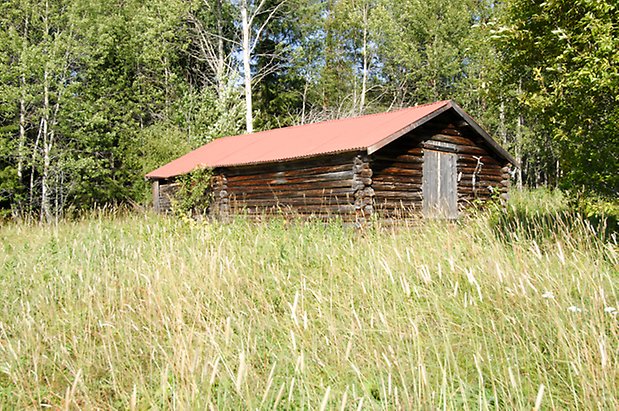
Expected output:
{"points": [[333, 120]]}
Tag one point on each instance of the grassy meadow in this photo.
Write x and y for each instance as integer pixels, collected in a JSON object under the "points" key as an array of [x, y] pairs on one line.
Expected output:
{"points": [[502, 310]]}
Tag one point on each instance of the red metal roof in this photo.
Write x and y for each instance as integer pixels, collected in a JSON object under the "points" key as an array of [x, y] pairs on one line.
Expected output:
{"points": [[369, 132]]}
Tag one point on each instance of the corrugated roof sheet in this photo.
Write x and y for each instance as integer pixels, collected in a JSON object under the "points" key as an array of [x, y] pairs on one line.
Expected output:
{"points": [[349, 134]]}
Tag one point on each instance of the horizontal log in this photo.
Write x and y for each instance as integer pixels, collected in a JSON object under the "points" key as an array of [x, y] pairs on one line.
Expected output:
{"points": [[458, 140], [318, 187], [378, 166], [470, 158], [459, 148], [346, 215], [479, 177], [487, 164], [481, 180], [292, 191], [402, 158], [296, 199], [283, 165], [475, 150], [392, 152], [318, 178], [396, 200], [294, 174], [401, 195], [291, 201], [299, 186], [399, 212], [325, 185], [396, 179], [322, 209], [483, 170], [346, 218], [297, 172], [396, 171], [451, 131], [398, 205], [380, 185]]}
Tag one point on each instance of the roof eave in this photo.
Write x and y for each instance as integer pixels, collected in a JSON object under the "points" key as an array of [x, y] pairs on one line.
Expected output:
{"points": [[151, 176]]}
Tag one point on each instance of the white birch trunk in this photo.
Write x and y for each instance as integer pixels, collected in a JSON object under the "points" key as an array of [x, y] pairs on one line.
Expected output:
{"points": [[249, 118], [22, 108], [22, 130], [221, 64], [519, 153], [364, 51], [46, 213]]}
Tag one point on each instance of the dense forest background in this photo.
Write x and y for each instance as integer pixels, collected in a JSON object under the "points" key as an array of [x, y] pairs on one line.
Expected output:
{"points": [[93, 94]]}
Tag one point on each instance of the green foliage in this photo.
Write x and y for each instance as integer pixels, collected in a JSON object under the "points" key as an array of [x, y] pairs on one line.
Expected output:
{"points": [[110, 89], [563, 55], [429, 48], [194, 193], [602, 212], [538, 214]]}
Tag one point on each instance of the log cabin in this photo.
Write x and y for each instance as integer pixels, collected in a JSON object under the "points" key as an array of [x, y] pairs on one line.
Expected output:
{"points": [[430, 160]]}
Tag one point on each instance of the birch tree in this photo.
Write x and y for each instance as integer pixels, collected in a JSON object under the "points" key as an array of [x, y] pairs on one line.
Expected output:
{"points": [[42, 38], [57, 48], [255, 17]]}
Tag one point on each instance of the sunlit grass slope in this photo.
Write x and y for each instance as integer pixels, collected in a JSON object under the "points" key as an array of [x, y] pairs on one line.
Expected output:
{"points": [[137, 312]]}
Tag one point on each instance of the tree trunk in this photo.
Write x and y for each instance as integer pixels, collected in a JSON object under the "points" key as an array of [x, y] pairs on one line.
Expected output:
{"points": [[22, 109], [46, 213], [220, 53], [519, 125], [35, 151], [22, 130], [502, 125], [364, 51], [249, 119]]}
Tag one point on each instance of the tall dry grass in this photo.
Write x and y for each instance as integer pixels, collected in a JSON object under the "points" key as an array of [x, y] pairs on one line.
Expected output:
{"points": [[137, 312]]}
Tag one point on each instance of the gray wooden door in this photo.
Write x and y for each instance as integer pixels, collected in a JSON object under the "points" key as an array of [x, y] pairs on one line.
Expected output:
{"points": [[440, 184]]}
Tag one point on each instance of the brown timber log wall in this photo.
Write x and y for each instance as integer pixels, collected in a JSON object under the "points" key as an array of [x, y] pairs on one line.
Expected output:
{"points": [[163, 192], [353, 185], [397, 176], [398, 168], [481, 174], [328, 185]]}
